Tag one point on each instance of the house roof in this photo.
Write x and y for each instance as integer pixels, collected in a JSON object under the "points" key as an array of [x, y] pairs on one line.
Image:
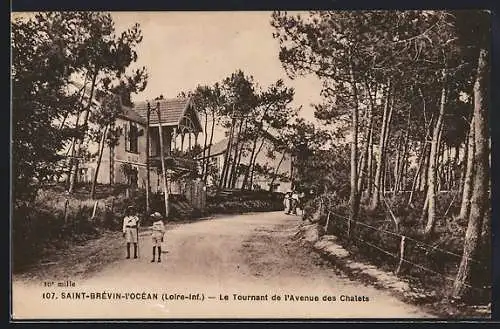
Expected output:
{"points": [[171, 111], [218, 148], [130, 114], [221, 146]]}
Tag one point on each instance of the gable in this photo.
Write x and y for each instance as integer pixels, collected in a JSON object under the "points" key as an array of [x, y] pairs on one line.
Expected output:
{"points": [[171, 112], [192, 115]]}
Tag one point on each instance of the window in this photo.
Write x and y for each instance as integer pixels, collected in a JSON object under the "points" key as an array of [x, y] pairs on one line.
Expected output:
{"points": [[131, 138]]}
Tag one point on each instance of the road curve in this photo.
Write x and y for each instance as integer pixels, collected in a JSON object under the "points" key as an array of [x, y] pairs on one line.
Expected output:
{"points": [[252, 260]]}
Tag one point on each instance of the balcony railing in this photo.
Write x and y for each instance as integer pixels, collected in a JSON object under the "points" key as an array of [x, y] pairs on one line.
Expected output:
{"points": [[174, 163]]}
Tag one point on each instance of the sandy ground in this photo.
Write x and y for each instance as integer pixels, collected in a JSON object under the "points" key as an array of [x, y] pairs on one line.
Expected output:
{"points": [[252, 260]]}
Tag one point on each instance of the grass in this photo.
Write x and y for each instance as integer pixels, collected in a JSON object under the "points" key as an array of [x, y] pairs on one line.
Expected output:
{"points": [[79, 261]]}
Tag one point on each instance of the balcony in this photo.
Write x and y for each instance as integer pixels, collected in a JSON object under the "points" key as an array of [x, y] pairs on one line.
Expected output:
{"points": [[175, 163]]}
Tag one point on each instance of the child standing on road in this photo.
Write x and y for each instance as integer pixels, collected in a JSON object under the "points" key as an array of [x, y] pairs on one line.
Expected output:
{"points": [[130, 229], [157, 235]]}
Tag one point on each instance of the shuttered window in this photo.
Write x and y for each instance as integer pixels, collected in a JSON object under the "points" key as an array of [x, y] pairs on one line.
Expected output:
{"points": [[134, 138], [126, 131], [131, 132]]}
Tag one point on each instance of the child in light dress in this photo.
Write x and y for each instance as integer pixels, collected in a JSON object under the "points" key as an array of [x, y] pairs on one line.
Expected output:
{"points": [[158, 234]]}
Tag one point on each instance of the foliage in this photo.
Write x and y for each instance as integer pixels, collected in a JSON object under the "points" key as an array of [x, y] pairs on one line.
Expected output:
{"points": [[239, 201], [40, 69], [248, 113], [38, 229], [408, 48], [411, 73], [52, 52]]}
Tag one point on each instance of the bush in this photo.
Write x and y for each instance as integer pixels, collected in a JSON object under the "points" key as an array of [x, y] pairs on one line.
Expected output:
{"points": [[38, 230], [240, 201], [232, 206]]}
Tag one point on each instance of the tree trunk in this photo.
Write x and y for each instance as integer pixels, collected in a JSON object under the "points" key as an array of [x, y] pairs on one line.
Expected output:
{"points": [[99, 159], [480, 196], [72, 156], [440, 166], [456, 171], [79, 141], [402, 161], [366, 148], [418, 172], [236, 146], [238, 163], [387, 164], [370, 139], [207, 163], [73, 140], [253, 163], [469, 172], [396, 166], [148, 175], [111, 165], [403, 169], [425, 208], [273, 179], [463, 163], [227, 156], [247, 171], [204, 159], [362, 126], [432, 173], [386, 179], [451, 162], [404, 172], [380, 159], [354, 195], [370, 165], [423, 177]]}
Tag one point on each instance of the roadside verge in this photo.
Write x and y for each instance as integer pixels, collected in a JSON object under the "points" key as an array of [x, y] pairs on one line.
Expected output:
{"points": [[329, 247]]}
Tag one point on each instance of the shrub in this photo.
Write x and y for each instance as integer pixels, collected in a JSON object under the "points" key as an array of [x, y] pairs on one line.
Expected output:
{"points": [[231, 206], [38, 230]]}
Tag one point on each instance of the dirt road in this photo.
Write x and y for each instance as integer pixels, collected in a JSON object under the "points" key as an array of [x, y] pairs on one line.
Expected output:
{"points": [[252, 260]]}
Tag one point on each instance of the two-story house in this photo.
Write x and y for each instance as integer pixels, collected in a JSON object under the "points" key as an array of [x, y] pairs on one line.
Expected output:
{"points": [[126, 163]]}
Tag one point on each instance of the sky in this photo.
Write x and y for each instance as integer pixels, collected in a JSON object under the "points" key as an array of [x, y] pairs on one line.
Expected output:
{"points": [[183, 49]]}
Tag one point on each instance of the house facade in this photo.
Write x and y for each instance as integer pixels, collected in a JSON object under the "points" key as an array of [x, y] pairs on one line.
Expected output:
{"points": [[126, 163], [278, 162]]}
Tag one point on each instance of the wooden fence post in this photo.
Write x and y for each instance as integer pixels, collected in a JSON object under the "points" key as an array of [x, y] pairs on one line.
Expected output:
{"points": [[401, 254]]}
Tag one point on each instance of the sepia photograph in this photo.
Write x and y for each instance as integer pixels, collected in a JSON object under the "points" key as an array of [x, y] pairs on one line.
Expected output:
{"points": [[238, 165]]}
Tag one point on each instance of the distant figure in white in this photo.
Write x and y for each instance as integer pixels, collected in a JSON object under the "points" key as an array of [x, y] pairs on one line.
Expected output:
{"points": [[158, 234], [287, 202], [131, 229]]}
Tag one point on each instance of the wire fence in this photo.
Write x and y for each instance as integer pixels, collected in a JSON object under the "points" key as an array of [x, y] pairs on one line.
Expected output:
{"points": [[402, 254]]}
